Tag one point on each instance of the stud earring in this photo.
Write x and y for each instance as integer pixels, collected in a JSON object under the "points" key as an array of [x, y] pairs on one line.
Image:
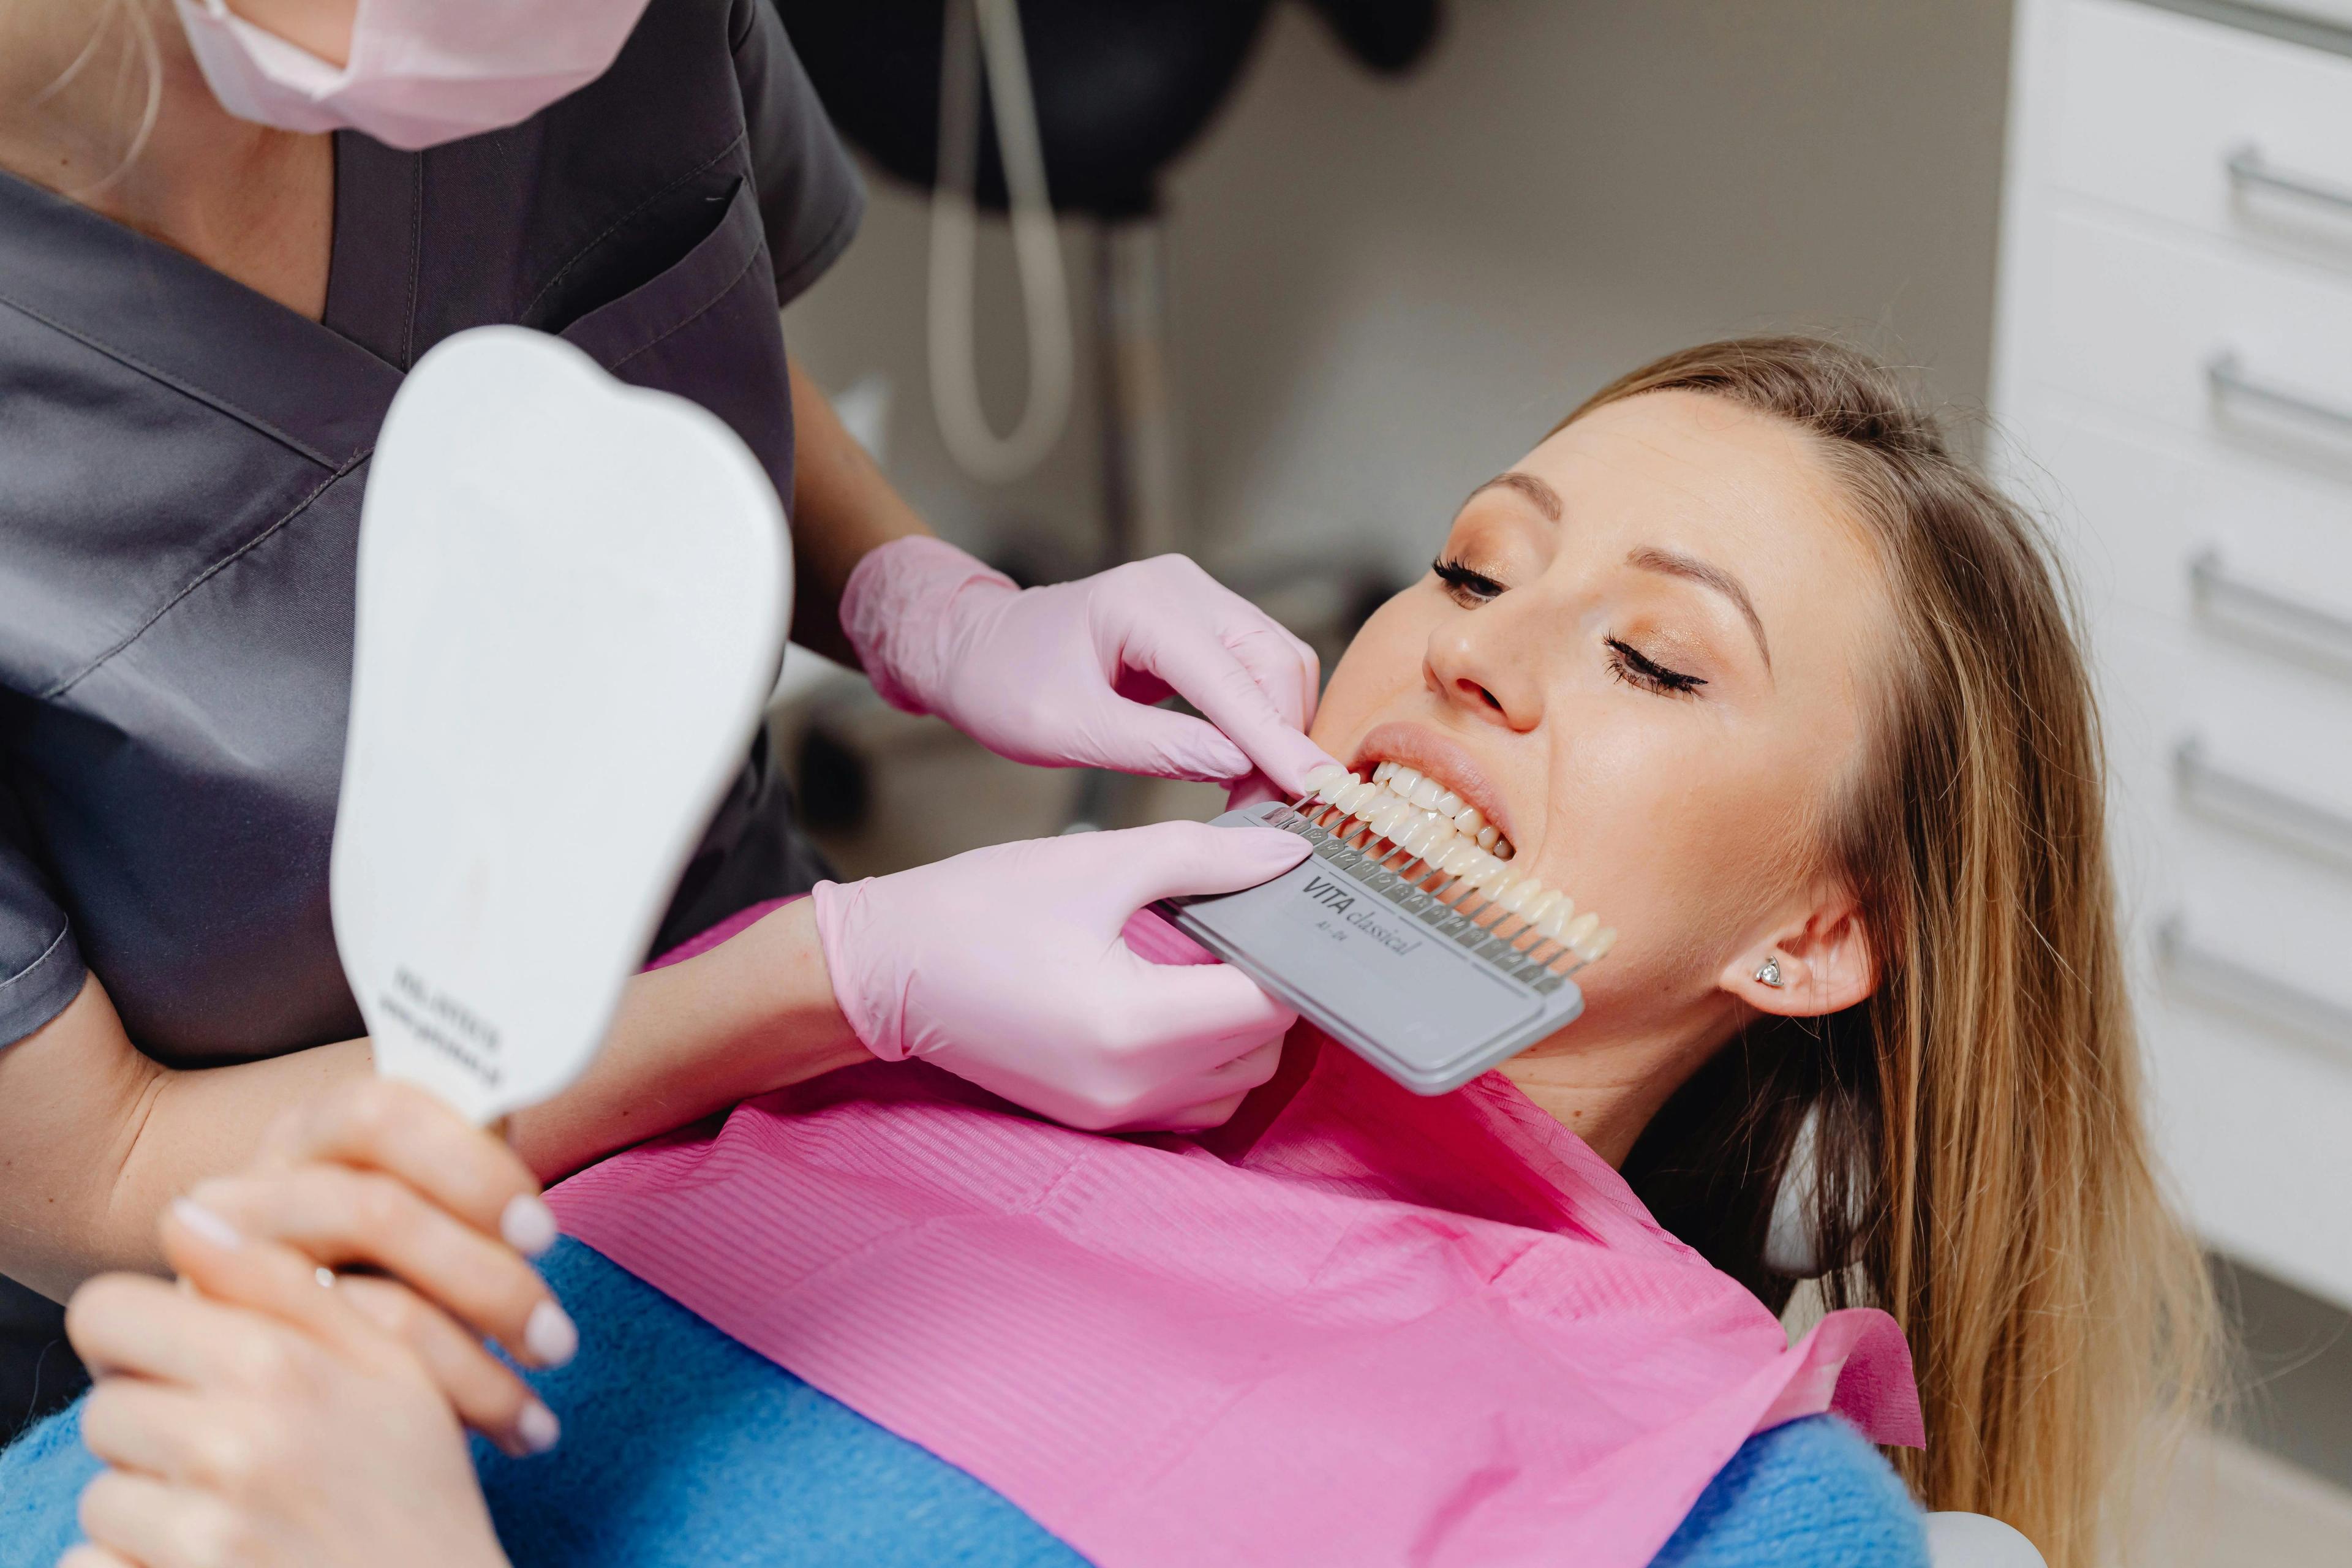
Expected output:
{"points": [[1769, 972]]}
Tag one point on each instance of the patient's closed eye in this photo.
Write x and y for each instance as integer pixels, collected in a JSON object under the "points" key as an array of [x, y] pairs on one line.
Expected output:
{"points": [[1631, 665], [1465, 585]]}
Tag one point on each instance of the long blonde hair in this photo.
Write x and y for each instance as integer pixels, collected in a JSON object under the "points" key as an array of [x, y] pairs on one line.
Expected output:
{"points": [[1984, 1164]]}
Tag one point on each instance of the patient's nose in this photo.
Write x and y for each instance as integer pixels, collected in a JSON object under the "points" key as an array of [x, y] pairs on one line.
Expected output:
{"points": [[1476, 663]]}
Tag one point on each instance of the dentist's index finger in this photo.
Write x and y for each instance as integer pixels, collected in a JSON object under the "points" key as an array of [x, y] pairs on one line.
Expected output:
{"points": [[1213, 679]]}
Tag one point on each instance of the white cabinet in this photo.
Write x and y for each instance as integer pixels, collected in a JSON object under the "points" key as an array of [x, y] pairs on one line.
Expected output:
{"points": [[2173, 385]]}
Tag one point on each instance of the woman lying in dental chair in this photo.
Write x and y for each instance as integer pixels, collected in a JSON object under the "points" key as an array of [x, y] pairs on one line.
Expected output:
{"points": [[1739, 657]]}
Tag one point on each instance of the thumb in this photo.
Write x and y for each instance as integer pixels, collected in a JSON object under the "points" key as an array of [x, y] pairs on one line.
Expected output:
{"points": [[1173, 858]]}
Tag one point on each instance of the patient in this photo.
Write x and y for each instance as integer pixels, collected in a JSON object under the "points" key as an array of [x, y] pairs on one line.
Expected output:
{"points": [[1741, 658]]}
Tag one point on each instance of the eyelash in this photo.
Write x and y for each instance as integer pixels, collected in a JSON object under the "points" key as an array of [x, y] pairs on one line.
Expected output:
{"points": [[1629, 664], [1462, 585], [1469, 588]]}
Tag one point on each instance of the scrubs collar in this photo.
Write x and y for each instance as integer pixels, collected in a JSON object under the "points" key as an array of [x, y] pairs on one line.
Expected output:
{"points": [[176, 321]]}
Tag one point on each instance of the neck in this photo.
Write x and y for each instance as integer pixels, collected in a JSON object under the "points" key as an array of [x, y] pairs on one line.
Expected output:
{"points": [[1606, 1089], [104, 104]]}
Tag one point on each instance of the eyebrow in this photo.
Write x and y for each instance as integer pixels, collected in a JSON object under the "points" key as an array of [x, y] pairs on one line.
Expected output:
{"points": [[1547, 499], [1650, 558]]}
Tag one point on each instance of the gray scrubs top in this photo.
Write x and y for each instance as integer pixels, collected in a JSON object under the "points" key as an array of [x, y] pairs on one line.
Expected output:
{"points": [[180, 467]]}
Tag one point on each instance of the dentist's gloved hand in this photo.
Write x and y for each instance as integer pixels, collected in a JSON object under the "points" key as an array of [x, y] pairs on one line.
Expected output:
{"points": [[1005, 966], [1065, 676]]}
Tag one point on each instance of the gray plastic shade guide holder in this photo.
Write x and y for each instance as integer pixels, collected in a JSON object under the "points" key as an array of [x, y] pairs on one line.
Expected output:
{"points": [[1384, 968]]}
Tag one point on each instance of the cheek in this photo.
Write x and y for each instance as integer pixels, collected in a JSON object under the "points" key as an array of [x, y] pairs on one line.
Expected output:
{"points": [[1672, 832], [1381, 665]]}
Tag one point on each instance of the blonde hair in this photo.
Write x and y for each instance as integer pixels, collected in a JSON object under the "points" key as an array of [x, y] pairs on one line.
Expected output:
{"points": [[137, 55], [1984, 1164]]}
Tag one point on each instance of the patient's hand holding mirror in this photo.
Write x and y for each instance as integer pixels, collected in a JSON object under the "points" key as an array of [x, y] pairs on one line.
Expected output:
{"points": [[571, 598]]}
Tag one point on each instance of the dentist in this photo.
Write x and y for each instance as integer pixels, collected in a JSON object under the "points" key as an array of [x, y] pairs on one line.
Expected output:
{"points": [[227, 228]]}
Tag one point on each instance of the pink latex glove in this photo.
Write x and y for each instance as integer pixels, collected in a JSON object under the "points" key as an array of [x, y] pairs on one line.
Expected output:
{"points": [[1005, 966], [1065, 676]]}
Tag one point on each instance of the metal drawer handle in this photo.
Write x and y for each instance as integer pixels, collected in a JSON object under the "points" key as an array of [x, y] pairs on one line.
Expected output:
{"points": [[2216, 792], [2247, 166], [2268, 617], [2226, 374], [2209, 976]]}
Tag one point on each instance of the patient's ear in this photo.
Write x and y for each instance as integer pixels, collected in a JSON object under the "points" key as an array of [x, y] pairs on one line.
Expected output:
{"points": [[1825, 963]]}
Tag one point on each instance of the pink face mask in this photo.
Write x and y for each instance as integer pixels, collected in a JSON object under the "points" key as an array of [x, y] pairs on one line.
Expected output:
{"points": [[421, 72]]}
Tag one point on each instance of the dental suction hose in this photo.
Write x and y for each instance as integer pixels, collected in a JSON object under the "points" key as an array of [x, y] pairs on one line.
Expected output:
{"points": [[1044, 291]]}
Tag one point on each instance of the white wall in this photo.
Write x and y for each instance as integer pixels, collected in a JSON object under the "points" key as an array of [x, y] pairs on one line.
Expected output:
{"points": [[1384, 291]]}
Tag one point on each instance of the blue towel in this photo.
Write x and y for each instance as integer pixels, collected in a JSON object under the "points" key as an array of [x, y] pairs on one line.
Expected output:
{"points": [[683, 1449]]}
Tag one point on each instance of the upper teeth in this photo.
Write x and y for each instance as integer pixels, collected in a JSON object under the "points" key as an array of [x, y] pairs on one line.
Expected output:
{"points": [[1432, 824]]}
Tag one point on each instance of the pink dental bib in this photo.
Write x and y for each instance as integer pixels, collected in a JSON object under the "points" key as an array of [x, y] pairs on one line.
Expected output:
{"points": [[1356, 1327]]}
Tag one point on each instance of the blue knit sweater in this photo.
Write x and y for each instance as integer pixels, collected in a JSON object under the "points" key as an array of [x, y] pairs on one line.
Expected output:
{"points": [[683, 1449]]}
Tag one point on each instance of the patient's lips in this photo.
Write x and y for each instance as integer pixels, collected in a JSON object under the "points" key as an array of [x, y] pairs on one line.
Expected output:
{"points": [[1401, 816]]}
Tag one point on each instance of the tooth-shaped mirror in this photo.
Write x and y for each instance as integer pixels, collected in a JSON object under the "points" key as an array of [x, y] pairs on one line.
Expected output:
{"points": [[571, 600]]}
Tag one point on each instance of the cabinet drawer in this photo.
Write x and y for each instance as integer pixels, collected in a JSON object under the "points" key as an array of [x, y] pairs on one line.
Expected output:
{"points": [[2233, 784], [2252, 1133], [2190, 121], [2247, 356], [2233, 542]]}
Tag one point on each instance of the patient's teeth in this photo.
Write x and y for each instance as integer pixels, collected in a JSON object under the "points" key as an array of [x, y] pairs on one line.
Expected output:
{"points": [[1503, 847], [1595, 948], [1402, 780], [1354, 794], [1554, 920], [1427, 793], [1449, 804], [1380, 774], [1579, 929], [1468, 820], [1542, 904], [1486, 838]]}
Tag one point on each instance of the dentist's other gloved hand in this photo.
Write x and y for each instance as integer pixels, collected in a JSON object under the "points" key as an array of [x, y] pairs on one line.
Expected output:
{"points": [[1066, 676], [1005, 966]]}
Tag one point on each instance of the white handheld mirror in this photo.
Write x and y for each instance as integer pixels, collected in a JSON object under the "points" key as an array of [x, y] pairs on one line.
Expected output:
{"points": [[573, 597]]}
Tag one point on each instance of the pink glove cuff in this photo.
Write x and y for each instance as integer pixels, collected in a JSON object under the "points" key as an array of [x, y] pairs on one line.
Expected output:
{"points": [[876, 1020], [894, 611]]}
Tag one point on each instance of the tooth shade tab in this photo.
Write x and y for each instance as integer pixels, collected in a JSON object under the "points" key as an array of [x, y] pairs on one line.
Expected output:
{"points": [[1580, 928], [1553, 921], [1413, 838], [1321, 773], [1522, 893], [1543, 905], [1460, 856], [1595, 947], [1333, 785], [1354, 794]]}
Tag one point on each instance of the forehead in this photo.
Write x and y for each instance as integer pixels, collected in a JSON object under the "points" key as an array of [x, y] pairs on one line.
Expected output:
{"points": [[1704, 475]]}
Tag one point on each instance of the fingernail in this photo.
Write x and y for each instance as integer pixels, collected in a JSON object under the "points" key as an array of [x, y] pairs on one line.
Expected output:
{"points": [[205, 1223], [549, 1335], [538, 1428], [528, 1224]]}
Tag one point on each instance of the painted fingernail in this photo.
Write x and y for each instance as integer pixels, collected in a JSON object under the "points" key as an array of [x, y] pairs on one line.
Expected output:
{"points": [[528, 1224], [205, 1223], [549, 1335], [538, 1428]]}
